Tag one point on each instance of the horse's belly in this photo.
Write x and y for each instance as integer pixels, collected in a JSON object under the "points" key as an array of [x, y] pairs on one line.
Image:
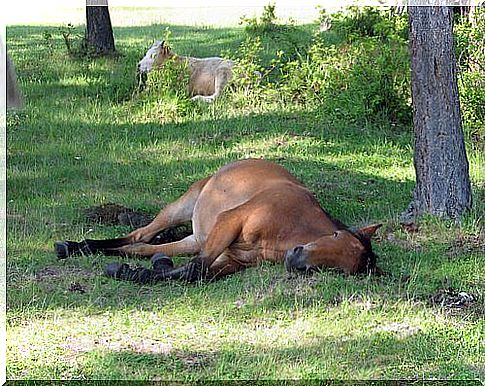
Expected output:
{"points": [[202, 84]]}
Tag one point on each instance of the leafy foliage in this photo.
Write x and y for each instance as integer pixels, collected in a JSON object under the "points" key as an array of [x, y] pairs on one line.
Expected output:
{"points": [[266, 23], [470, 43], [364, 77], [357, 22]]}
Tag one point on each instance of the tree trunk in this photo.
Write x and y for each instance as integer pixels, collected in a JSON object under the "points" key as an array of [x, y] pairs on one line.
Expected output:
{"points": [[442, 178], [99, 33]]}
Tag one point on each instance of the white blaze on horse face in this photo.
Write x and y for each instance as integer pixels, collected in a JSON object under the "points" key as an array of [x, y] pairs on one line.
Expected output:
{"points": [[146, 64]]}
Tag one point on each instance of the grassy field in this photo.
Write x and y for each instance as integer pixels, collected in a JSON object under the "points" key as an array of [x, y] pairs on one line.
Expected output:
{"points": [[86, 138]]}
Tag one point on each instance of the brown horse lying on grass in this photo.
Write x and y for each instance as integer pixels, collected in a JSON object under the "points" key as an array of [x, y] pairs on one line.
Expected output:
{"points": [[249, 211]]}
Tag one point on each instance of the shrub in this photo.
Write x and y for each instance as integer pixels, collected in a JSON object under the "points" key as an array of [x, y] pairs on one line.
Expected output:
{"points": [[472, 101], [266, 23], [470, 52], [363, 80], [248, 72], [357, 22]]}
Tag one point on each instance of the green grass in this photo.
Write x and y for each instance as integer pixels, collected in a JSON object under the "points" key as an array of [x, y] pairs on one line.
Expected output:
{"points": [[85, 138]]}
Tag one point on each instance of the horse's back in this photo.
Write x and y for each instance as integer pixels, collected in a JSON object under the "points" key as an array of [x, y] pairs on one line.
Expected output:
{"points": [[243, 179]]}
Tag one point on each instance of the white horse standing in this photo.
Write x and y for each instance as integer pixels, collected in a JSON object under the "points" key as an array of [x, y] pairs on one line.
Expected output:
{"points": [[208, 76]]}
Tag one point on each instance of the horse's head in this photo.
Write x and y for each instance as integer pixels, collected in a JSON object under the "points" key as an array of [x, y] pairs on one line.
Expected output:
{"points": [[351, 251], [156, 55]]}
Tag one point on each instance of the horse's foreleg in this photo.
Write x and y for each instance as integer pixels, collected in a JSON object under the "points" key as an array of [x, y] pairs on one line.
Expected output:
{"points": [[71, 248], [186, 246], [193, 271], [119, 247]]}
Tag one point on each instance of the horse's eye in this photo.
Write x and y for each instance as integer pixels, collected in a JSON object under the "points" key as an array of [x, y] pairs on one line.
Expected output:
{"points": [[335, 234]]}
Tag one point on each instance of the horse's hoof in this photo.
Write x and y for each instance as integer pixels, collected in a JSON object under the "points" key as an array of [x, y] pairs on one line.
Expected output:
{"points": [[118, 271], [62, 249], [161, 262]]}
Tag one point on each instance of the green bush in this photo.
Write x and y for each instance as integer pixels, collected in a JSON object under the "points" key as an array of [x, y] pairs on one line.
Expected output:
{"points": [[249, 69], [472, 101], [470, 52], [357, 22], [364, 78], [266, 23]]}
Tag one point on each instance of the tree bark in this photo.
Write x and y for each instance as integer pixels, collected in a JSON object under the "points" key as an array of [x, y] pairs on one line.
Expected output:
{"points": [[99, 32], [442, 176]]}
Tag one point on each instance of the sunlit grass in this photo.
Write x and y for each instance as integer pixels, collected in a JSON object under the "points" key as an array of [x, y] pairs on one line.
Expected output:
{"points": [[86, 138]]}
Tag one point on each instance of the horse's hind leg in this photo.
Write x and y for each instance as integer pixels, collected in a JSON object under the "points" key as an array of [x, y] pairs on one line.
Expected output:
{"points": [[214, 260], [222, 77], [176, 213]]}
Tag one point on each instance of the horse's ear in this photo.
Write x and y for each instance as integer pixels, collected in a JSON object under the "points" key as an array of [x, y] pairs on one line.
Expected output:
{"points": [[162, 43], [369, 230]]}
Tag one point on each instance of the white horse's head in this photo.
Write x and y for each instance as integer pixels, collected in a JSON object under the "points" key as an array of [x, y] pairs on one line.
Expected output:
{"points": [[155, 56]]}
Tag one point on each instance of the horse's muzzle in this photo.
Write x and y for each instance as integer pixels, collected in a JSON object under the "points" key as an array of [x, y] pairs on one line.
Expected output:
{"points": [[295, 259]]}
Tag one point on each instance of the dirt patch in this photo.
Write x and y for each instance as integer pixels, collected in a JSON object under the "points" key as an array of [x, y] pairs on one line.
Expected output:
{"points": [[452, 300], [55, 277], [410, 227], [48, 273], [83, 344], [407, 245], [195, 360], [76, 287], [151, 346], [114, 214]]}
